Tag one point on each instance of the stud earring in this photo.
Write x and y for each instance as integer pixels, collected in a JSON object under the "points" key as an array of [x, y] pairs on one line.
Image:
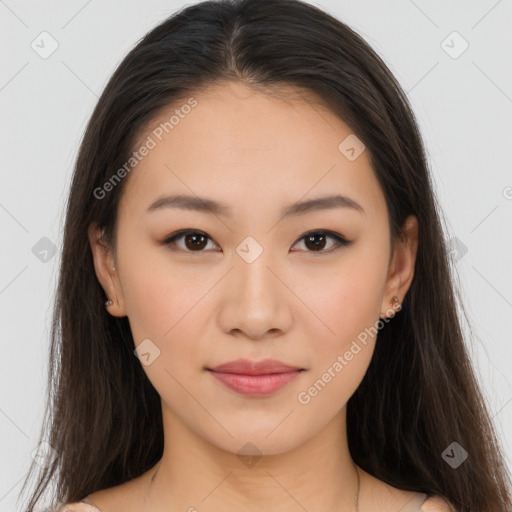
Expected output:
{"points": [[394, 302], [109, 302]]}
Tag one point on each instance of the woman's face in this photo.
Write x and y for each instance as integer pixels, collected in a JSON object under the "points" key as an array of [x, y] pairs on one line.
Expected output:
{"points": [[247, 283]]}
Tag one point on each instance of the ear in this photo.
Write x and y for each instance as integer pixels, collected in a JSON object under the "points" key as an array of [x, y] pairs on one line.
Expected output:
{"points": [[106, 271], [401, 268]]}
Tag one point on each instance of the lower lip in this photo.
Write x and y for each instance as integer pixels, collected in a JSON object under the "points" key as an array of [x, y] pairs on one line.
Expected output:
{"points": [[255, 385]]}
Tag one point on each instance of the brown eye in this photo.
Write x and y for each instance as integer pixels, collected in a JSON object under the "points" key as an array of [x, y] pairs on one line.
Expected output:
{"points": [[316, 241], [194, 241]]}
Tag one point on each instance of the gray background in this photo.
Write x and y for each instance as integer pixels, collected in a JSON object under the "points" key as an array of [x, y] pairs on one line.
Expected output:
{"points": [[463, 102]]}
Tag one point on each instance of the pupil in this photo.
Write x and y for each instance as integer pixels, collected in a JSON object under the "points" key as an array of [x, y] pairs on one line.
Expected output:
{"points": [[196, 241], [194, 244], [310, 238]]}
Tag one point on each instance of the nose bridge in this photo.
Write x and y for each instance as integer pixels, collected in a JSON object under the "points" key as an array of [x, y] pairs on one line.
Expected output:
{"points": [[254, 301], [252, 268]]}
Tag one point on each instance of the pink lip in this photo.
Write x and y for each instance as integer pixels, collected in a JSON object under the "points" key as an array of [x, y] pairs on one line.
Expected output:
{"points": [[247, 367], [255, 378]]}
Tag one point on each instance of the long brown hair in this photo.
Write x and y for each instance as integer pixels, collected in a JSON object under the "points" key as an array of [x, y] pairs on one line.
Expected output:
{"points": [[419, 394]]}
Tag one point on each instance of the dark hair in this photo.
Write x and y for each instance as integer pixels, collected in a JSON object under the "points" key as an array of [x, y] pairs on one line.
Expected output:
{"points": [[420, 392]]}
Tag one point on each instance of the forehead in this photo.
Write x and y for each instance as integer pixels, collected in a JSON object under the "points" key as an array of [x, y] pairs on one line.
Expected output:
{"points": [[247, 147]]}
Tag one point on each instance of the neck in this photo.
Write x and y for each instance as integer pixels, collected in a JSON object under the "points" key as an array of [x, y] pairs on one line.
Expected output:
{"points": [[318, 474]]}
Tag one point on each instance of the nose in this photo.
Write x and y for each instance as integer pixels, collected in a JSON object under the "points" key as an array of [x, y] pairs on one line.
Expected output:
{"points": [[255, 301]]}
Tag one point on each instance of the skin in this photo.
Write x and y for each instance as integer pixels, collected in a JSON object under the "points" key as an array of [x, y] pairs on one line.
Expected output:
{"points": [[256, 153]]}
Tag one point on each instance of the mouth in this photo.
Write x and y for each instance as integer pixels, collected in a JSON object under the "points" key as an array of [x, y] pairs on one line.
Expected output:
{"points": [[253, 378]]}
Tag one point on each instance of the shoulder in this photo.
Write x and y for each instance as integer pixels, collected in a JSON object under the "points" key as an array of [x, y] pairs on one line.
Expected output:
{"points": [[78, 506], [125, 497], [383, 496], [437, 504]]}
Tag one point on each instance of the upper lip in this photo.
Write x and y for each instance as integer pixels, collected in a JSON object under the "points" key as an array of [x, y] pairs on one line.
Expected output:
{"points": [[247, 367]]}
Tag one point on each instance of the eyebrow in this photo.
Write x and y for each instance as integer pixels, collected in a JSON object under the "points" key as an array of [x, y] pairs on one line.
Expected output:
{"points": [[205, 205]]}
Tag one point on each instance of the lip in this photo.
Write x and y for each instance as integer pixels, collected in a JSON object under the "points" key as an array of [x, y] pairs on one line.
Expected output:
{"points": [[248, 367], [255, 378]]}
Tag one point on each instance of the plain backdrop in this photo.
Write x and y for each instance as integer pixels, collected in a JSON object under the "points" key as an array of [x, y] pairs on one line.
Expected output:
{"points": [[452, 58]]}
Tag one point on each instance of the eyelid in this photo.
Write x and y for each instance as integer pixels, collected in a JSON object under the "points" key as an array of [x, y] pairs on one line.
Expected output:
{"points": [[341, 241], [182, 232]]}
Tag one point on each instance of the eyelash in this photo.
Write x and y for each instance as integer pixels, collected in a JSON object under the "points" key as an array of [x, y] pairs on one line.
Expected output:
{"points": [[340, 240]]}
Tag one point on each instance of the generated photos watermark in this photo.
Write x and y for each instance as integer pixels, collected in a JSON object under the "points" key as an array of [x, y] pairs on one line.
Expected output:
{"points": [[150, 143], [304, 397]]}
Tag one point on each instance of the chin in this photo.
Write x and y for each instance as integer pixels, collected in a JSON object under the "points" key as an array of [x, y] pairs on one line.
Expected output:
{"points": [[249, 441]]}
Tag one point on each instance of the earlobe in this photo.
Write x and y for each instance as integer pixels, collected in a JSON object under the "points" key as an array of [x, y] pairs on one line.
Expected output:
{"points": [[393, 309], [104, 267], [401, 270]]}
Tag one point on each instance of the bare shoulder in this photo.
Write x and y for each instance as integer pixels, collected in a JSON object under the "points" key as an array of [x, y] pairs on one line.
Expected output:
{"points": [[124, 497], [379, 495], [437, 504], [77, 507], [108, 500]]}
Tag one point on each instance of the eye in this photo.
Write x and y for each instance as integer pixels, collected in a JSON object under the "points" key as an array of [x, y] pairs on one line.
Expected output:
{"points": [[316, 240], [196, 241]]}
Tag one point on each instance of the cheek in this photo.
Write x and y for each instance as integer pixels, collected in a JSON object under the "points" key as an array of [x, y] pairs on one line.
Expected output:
{"points": [[170, 316], [159, 301], [349, 298], [165, 307], [343, 345], [349, 306], [347, 346]]}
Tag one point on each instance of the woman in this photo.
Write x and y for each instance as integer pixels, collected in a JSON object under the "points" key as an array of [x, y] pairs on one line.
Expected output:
{"points": [[255, 305]]}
